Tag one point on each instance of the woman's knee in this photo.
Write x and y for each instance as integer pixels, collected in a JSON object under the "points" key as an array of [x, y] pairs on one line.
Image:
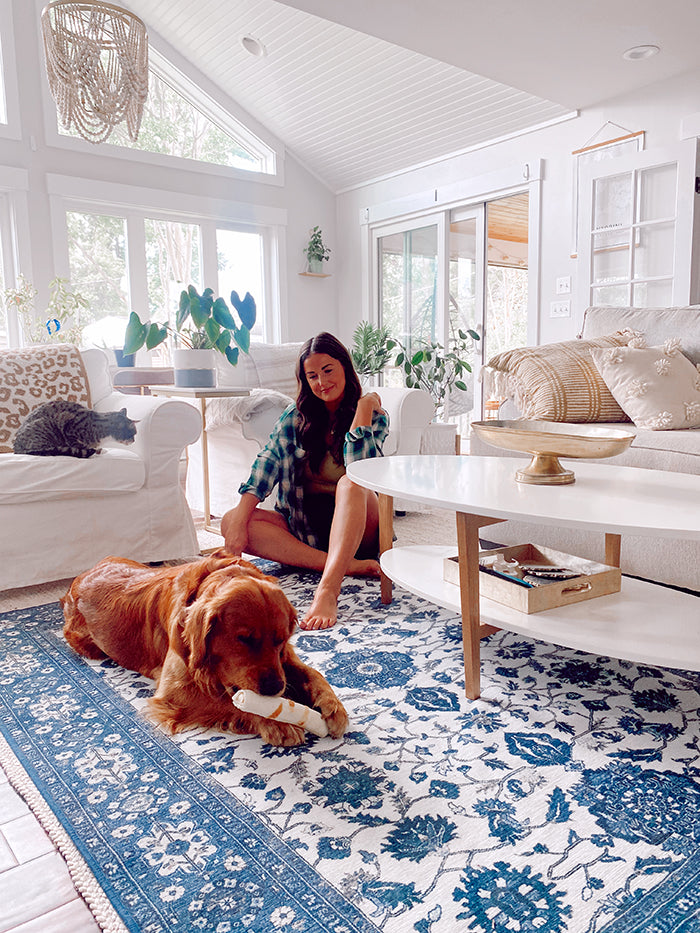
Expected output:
{"points": [[346, 487]]}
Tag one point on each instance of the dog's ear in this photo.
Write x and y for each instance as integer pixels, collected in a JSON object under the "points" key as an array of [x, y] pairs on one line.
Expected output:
{"points": [[198, 623]]}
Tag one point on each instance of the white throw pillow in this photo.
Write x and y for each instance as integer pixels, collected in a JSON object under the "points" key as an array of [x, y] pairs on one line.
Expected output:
{"points": [[657, 387]]}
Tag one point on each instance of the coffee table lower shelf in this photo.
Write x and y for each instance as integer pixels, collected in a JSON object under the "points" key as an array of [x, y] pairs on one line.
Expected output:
{"points": [[644, 622]]}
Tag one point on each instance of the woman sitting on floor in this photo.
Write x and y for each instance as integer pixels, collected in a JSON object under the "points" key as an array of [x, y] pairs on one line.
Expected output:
{"points": [[322, 520]]}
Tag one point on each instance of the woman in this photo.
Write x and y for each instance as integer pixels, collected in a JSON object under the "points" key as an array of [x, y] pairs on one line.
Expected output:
{"points": [[322, 520]]}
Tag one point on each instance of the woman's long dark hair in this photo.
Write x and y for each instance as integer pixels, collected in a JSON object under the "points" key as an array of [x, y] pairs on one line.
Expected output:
{"points": [[314, 419]]}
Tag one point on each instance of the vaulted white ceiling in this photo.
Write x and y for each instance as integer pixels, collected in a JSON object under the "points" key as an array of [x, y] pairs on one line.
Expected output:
{"points": [[387, 86]]}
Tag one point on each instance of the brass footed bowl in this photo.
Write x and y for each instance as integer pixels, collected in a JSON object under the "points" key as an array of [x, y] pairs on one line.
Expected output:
{"points": [[549, 440]]}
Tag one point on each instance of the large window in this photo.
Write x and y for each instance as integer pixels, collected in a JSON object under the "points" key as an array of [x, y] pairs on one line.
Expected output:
{"points": [[126, 260], [98, 271], [180, 121]]}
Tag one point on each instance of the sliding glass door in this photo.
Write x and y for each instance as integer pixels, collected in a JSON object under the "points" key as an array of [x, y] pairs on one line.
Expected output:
{"points": [[458, 270]]}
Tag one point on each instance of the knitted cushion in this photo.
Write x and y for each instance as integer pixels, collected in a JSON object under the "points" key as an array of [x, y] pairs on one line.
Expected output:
{"points": [[557, 381]]}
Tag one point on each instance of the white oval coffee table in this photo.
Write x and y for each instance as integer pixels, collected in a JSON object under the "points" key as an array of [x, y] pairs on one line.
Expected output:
{"points": [[643, 622]]}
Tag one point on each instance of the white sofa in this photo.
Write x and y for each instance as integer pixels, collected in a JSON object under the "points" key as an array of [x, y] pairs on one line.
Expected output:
{"points": [[59, 515], [675, 562], [238, 428]]}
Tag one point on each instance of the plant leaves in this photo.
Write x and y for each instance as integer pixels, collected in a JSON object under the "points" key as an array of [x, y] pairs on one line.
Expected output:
{"points": [[231, 354], [183, 311], [212, 330], [222, 315], [200, 311], [223, 340], [242, 337], [156, 335], [246, 309], [135, 334]]}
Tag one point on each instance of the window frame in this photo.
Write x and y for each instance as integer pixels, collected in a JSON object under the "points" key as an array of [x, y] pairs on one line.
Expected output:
{"points": [[136, 204], [237, 124], [11, 128], [15, 254]]}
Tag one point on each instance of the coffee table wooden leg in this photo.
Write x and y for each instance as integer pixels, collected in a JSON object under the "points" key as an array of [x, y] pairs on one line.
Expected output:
{"points": [[468, 549], [613, 544], [386, 541]]}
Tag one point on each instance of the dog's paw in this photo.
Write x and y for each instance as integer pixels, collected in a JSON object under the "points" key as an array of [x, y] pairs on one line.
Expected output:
{"points": [[281, 733], [335, 716]]}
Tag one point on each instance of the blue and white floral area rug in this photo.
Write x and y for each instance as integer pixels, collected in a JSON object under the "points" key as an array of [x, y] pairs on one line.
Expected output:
{"points": [[566, 799]]}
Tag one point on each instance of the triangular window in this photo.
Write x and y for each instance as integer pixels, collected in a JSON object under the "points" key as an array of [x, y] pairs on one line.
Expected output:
{"points": [[181, 121]]}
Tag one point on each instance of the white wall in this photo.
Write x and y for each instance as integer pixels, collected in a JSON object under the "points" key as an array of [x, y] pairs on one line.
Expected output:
{"points": [[657, 110], [308, 305]]}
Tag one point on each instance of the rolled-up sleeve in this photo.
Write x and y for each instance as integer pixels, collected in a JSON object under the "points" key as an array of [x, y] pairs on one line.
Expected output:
{"points": [[269, 463], [364, 442]]}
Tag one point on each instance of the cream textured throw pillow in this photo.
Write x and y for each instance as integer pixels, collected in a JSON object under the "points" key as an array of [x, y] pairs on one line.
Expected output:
{"points": [[658, 387], [557, 381]]}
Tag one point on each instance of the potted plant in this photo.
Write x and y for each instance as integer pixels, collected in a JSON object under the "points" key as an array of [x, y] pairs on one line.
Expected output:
{"points": [[437, 370], [203, 326], [371, 348], [61, 321], [316, 252]]}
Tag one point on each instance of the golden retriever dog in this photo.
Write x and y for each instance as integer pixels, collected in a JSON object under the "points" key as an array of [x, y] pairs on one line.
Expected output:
{"points": [[202, 631]]}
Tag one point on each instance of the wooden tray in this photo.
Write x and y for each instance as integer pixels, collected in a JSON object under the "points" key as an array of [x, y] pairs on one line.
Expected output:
{"points": [[594, 580]]}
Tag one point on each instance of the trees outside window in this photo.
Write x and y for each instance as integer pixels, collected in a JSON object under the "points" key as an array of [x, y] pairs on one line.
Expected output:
{"points": [[174, 125]]}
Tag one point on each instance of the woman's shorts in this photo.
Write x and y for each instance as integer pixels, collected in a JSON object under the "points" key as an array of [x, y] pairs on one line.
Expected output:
{"points": [[319, 508]]}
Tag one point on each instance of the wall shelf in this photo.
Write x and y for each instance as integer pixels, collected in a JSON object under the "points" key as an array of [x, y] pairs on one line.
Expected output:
{"points": [[316, 275]]}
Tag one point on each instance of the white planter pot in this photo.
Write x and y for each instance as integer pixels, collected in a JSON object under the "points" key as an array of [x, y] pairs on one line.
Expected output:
{"points": [[316, 266], [194, 368]]}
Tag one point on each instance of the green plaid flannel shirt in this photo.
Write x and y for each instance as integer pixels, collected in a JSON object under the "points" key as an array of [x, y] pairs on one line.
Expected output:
{"points": [[280, 463]]}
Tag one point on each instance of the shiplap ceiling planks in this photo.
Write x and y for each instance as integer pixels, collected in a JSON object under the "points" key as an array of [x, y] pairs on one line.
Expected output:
{"points": [[350, 107]]}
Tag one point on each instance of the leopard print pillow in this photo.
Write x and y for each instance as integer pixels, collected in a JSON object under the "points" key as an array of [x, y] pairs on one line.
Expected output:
{"points": [[34, 375]]}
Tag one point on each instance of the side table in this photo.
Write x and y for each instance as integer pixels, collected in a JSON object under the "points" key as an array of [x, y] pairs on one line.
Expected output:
{"points": [[201, 395], [138, 380]]}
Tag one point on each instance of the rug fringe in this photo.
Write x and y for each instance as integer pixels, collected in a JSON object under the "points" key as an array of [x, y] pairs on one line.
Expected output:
{"points": [[85, 882]]}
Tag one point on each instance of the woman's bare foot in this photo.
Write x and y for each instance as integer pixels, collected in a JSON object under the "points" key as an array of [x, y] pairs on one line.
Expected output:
{"points": [[323, 612], [363, 568]]}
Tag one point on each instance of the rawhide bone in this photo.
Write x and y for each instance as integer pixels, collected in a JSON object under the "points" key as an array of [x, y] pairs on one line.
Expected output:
{"points": [[281, 709]]}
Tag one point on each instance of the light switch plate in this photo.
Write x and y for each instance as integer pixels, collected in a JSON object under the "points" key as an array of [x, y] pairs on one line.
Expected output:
{"points": [[564, 285], [560, 309]]}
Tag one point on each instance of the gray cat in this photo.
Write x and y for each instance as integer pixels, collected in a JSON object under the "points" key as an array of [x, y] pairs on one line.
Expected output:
{"points": [[68, 429]]}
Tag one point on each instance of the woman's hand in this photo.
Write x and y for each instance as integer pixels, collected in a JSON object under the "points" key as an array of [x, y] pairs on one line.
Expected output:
{"points": [[234, 524], [366, 408]]}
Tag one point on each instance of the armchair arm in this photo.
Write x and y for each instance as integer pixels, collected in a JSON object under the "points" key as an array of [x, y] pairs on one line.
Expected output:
{"points": [[409, 411], [165, 427]]}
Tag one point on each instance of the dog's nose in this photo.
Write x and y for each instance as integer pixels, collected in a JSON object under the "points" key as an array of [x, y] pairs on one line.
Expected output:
{"points": [[271, 684]]}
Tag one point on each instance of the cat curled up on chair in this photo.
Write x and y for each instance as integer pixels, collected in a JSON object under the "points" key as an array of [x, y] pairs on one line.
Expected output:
{"points": [[202, 631]]}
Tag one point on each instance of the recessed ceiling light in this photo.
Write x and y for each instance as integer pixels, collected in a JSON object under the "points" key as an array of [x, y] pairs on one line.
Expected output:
{"points": [[254, 46], [640, 51]]}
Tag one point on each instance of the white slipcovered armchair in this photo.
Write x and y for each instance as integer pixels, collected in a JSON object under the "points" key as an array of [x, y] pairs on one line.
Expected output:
{"points": [[60, 515], [238, 428]]}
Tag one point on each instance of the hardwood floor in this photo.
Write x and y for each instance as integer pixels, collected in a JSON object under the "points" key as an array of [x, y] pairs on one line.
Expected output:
{"points": [[36, 891]]}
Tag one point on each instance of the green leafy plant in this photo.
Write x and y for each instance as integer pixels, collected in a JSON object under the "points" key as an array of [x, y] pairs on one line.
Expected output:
{"points": [[316, 249], [371, 348], [64, 317], [202, 322], [435, 369]]}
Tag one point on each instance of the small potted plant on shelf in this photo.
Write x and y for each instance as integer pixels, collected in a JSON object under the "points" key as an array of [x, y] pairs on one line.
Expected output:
{"points": [[203, 326], [316, 251], [371, 348]]}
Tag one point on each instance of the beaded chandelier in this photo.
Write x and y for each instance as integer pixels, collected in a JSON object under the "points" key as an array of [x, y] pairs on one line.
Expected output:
{"points": [[97, 66]]}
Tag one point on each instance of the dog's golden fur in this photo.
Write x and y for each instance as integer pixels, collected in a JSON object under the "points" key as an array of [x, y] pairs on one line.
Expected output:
{"points": [[202, 631]]}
